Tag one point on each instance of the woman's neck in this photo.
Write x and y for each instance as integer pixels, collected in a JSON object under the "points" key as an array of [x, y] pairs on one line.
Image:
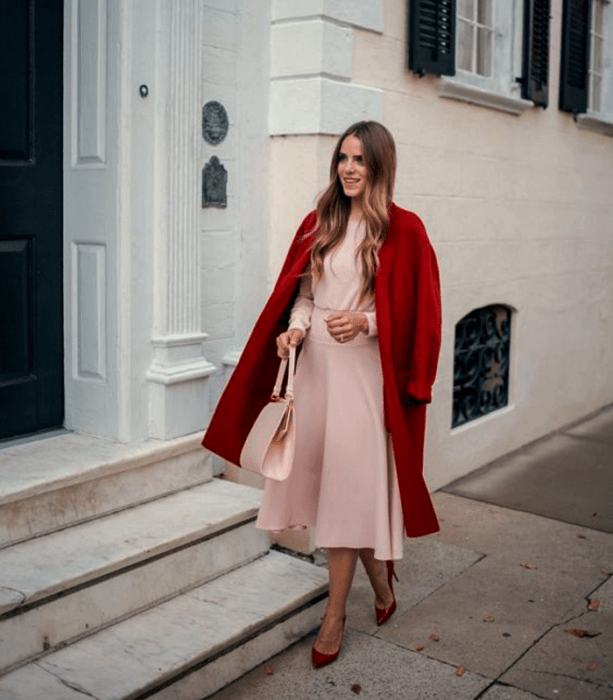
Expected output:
{"points": [[356, 213]]}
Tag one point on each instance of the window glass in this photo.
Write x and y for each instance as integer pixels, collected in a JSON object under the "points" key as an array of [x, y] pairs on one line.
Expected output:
{"points": [[597, 55], [475, 36]]}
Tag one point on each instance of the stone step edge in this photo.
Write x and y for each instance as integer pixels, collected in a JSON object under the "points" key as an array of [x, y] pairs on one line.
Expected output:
{"points": [[152, 451], [188, 670], [122, 618], [307, 594], [37, 602], [234, 519]]}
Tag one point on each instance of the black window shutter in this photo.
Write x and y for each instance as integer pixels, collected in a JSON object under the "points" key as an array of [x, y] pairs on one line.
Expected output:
{"points": [[535, 69], [575, 58], [432, 36]]}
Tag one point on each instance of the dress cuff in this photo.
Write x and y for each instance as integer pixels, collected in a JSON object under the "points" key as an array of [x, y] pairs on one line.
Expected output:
{"points": [[372, 323], [296, 324]]}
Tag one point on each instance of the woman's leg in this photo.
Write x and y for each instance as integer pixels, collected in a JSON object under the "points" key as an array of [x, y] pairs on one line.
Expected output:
{"points": [[377, 573], [341, 563]]}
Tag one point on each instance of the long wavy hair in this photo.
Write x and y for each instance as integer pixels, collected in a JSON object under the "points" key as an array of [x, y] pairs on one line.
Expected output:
{"points": [[333, 205]]}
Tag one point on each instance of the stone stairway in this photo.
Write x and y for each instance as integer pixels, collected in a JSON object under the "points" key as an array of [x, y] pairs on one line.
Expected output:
{"points": [[128, 572]]}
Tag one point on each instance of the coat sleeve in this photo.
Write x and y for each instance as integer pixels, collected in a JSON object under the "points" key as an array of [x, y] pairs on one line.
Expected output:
{"points": [[427, 329]]}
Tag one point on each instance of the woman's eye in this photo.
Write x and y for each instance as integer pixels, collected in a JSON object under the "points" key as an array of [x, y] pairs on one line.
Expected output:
{"points": [[342, 157]]}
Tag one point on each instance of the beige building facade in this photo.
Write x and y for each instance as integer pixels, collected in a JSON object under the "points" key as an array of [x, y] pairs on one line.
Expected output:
{"points": [[517, 201]]}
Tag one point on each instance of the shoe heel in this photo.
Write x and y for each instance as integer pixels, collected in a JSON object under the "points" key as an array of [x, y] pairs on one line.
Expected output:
{"points": [[384, 615]]}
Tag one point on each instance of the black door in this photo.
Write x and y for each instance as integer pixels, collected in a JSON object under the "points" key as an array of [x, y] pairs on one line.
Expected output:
{"points": [[31, 347]]}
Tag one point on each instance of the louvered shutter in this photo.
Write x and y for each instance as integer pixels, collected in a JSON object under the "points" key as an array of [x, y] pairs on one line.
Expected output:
{"points": [[432, 36], [575, 59], [535, 71]]}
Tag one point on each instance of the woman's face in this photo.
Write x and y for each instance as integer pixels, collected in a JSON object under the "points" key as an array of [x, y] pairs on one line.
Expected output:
{"points": [[351, 168]]}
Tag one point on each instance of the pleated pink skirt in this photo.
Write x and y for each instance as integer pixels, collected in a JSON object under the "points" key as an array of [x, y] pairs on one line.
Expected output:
{"points": [[343, 481]]}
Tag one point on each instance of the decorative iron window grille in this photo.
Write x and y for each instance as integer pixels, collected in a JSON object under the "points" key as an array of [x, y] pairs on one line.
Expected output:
{"points": [[481, 363]]}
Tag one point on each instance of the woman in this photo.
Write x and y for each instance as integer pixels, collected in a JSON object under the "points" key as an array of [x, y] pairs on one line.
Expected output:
{"points": [[359, 292]]}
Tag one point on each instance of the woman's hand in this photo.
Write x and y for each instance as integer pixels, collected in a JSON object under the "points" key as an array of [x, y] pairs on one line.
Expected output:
{"points": [[293, 337], [344, 326]]}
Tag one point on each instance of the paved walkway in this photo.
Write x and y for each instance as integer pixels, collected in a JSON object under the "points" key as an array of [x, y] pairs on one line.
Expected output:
{"points": [[512, 600]]}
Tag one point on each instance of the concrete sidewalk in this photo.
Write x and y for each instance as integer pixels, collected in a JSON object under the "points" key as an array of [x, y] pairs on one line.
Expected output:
{"points": [[512, 600]]}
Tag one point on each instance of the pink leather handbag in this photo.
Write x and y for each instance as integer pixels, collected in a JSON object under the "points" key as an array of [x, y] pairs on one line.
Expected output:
{"points": [[269, 448]]}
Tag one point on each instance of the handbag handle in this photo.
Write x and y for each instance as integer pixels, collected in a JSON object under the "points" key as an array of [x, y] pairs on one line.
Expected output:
{"points": [[289, 390]]}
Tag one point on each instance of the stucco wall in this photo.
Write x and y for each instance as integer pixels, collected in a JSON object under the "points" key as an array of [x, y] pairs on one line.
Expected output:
{"points": [[519, 210]]}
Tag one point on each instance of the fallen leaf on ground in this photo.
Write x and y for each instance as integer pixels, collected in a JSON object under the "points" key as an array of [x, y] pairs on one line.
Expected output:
{"points": [[434, 637], [581, 633], [594, 605], [527, 565], [489, 618], [269, 670], [419, 647], [460, 671], [356, 688], [606, 572], [593, 666]]}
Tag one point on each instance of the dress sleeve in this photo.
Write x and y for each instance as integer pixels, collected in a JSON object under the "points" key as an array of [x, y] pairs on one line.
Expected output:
{"points": [[372, 323], [300, 316]]}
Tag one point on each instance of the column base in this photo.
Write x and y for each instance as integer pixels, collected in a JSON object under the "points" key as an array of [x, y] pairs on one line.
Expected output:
{"points": [[179, 391]]}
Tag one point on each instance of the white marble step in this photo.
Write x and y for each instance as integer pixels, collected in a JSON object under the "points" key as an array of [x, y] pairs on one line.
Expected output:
{"points": [[66, 584], [51, 483], [188, 647]]}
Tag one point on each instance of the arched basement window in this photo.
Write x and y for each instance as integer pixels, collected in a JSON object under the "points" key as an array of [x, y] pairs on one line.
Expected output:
{"points": [[481, 363]]}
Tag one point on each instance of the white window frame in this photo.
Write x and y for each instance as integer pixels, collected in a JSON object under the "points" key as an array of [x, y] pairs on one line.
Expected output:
{"points": [[501, 90], [592, 70], [601, 120]]}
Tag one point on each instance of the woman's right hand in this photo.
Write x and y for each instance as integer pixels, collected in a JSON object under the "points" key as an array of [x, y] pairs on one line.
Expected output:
{"points": [[293, 337]]}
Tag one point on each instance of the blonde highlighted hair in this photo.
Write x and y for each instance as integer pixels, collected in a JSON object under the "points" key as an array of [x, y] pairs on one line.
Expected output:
{"points": [[334, 206]]}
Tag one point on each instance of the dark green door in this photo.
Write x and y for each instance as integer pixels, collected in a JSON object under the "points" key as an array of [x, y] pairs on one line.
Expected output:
{"points": [[31, 336]]}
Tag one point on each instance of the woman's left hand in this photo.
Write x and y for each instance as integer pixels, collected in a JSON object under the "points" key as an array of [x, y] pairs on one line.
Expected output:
{"points": [[344, 326]]}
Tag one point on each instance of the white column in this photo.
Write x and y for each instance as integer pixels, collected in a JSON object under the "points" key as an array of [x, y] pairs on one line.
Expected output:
{"points": [[178, 370]]}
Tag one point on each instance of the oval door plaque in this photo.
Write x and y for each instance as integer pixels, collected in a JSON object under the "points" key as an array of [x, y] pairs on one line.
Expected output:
{"points": [[214, 122]]}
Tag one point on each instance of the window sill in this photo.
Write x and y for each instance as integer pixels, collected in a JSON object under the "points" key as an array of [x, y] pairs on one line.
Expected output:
{"points": [[457, 90], [600, 122]]}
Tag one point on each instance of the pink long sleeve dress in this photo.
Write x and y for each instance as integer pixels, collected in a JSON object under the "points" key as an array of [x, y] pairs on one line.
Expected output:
{"points": [[343, 481]]}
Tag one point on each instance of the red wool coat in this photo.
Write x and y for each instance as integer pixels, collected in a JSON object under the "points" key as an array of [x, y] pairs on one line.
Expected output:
{"points": [[408, 312]]}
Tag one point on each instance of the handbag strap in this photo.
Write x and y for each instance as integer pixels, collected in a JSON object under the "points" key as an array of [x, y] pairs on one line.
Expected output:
{"points": [[289, 390]]}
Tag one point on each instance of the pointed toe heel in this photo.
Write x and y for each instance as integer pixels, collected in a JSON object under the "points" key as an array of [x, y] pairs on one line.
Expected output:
{"points": [[320, 659], [384, 615]]}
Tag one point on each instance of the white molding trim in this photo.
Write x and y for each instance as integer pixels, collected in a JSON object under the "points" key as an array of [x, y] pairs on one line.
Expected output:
{"points": [[601, 123], [179, 340], [175, 373], [364, 14], [231, 358], [457, 90]]}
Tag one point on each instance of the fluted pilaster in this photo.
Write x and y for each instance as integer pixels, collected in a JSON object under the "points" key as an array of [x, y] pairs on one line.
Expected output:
{"points": [[178, 362]]}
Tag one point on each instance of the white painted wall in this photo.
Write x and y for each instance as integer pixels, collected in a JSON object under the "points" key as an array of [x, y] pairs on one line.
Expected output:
{"points": [[234, 241], [159, 290]]}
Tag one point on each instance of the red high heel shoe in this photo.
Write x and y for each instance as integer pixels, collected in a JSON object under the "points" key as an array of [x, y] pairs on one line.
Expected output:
{"points": [[384, 615], [320, 659]]}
